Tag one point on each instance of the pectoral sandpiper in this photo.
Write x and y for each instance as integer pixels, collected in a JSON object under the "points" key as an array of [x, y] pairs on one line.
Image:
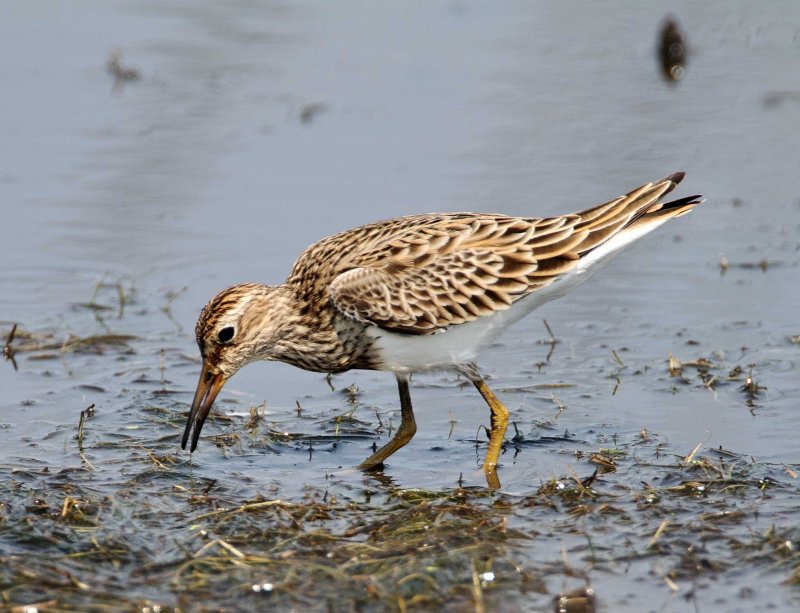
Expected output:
{"points": [[414, 294]]}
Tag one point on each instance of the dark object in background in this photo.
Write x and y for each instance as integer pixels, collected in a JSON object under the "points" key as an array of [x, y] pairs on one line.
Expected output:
{"points": [[672, 51], [122, 74]]}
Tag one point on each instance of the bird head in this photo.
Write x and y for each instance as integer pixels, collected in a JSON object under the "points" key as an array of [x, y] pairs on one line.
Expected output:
{"points": [[236, 327]]}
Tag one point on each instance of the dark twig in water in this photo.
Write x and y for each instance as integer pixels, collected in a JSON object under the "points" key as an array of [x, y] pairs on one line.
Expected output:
{"points": [[80, 429], [8, 351], [552, 341], [615, 375], [85, 414], [550, 332]]}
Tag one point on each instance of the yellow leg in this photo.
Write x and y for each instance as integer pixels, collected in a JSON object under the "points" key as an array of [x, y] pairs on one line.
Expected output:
{"points": [[406, 431], [499, 420]]}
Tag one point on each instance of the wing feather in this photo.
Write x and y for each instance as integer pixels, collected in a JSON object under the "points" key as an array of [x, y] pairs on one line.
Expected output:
{"points": [[428, 272]]}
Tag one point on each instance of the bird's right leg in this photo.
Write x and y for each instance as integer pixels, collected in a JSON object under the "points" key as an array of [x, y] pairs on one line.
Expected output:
{"points": [[406, 431], [499, 421]]}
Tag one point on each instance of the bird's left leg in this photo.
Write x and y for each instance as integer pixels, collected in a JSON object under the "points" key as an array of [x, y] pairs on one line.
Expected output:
{"points": [[407, 429], [499, 421]]}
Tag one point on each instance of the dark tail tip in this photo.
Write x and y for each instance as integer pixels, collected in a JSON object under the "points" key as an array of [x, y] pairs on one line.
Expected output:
{"points": [[676, 177]]}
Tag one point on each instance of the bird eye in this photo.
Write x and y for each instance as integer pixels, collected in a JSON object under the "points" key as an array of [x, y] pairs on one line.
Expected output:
{"points": [[225, 335]]}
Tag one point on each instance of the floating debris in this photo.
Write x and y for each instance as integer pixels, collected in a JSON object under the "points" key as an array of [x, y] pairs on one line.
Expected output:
{"points": [[581, 600], [750, 387], [604, 460], [676, 366], [255, 417], [310, 111], [763, 264], [672, 51], [122, 74]]}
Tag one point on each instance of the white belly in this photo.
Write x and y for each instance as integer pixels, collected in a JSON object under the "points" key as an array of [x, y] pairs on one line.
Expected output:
{"points": [[462, 343]]}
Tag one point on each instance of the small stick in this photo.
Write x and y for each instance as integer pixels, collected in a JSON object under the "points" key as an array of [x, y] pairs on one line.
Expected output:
{"points": [[219, 543], [10, 337], [659, 531], [688, 459], [69, 502], [477, 592], [253, 506], [671, 584]]}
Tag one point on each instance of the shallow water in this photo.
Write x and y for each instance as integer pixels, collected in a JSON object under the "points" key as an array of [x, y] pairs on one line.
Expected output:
{"points": [[257, 128]]}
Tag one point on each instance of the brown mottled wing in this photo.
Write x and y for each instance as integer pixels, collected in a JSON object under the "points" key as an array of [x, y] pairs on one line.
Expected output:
{"points": [[430, 275]]}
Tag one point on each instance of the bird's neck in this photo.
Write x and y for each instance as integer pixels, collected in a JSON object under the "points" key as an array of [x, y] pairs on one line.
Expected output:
{"points": [[305, 333]]}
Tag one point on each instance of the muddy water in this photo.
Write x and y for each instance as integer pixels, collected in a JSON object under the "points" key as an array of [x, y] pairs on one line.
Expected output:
{"points": [[256, 128]]}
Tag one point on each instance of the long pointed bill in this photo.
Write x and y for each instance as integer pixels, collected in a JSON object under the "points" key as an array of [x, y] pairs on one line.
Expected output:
{"points": [[207, 389]]}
